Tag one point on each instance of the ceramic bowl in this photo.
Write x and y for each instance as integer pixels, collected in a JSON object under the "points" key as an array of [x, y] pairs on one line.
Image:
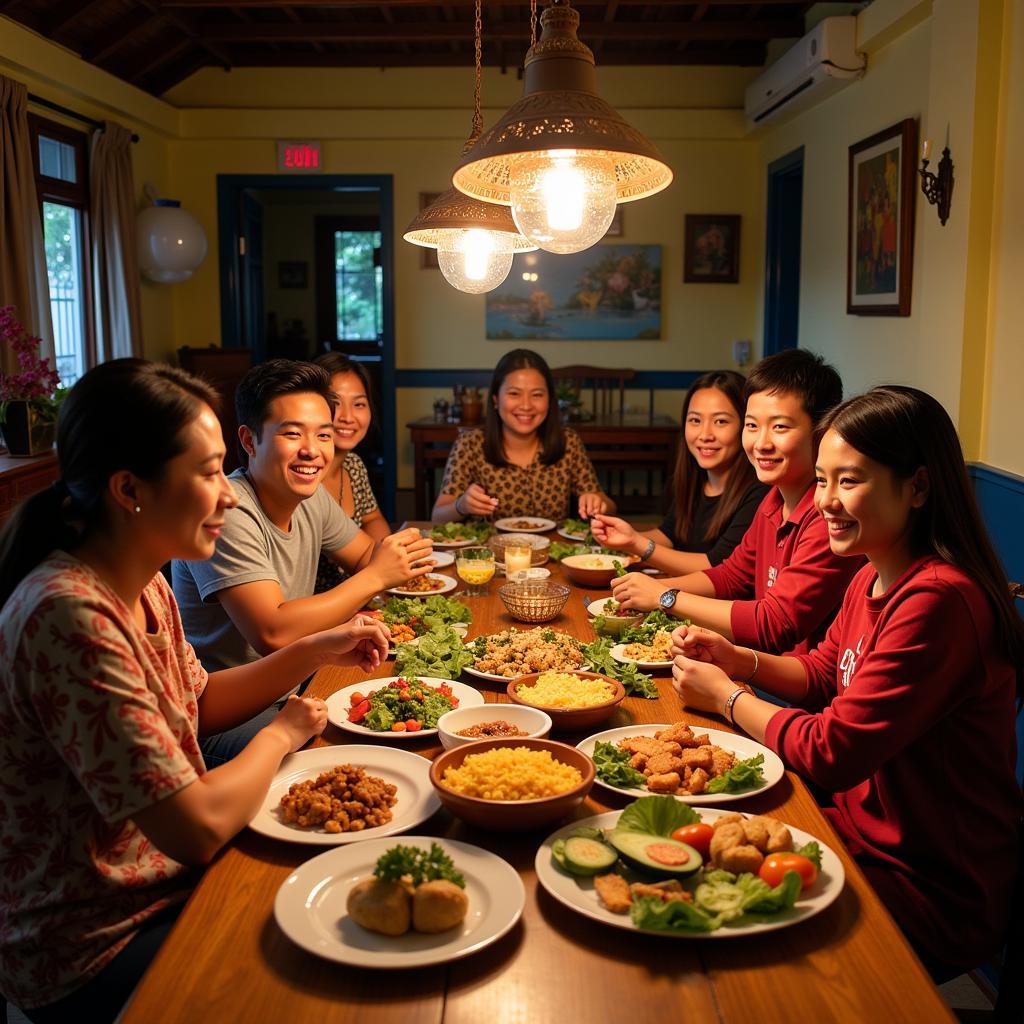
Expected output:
{"points": [[592, 570], [611, 625], [534, 722], [570, 719]]}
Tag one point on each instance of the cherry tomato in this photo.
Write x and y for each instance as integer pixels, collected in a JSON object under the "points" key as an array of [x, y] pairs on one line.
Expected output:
{"points": [[398, 727], [698, 836], [776, 865], [359, 712], [356, 698], [412, 725]]}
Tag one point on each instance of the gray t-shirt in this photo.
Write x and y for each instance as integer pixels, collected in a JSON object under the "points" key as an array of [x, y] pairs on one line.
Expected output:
{"points": [[252, 548]]}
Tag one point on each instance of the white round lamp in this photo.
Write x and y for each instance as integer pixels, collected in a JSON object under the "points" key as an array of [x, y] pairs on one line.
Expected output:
{"points": [[172, 242]]}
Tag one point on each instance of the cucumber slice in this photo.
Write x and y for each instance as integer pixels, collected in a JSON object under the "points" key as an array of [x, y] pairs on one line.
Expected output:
{"points": [[584, 856]]}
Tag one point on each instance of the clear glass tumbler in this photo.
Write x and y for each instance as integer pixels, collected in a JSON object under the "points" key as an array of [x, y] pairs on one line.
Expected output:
{"points": [[475, 567]]}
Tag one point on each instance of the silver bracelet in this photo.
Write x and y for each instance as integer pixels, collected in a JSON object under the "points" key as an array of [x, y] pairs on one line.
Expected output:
{"points": [[754, 670], [649, 550], [458, 510], [731, 700]]}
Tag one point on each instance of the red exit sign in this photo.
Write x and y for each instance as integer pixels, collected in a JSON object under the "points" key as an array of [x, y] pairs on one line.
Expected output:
{"points": [[298, 157]]}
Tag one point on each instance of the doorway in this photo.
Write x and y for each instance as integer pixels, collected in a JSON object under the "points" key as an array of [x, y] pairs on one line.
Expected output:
{"points": [[782, 259], [306, 267]]}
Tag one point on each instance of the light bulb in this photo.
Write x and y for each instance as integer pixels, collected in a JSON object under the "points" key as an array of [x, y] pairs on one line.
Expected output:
{"points": [[563, 200], [474, 260]]}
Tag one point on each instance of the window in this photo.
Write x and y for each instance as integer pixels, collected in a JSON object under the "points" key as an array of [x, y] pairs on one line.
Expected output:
{"points": [[59, 157], [358, 288]]}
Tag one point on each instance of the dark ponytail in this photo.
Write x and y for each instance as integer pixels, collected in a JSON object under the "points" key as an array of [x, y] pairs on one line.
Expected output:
{"points": [[127, 414]]}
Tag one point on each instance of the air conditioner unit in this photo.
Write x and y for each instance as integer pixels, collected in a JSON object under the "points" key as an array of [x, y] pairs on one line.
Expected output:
{"points": [[822, 62]]}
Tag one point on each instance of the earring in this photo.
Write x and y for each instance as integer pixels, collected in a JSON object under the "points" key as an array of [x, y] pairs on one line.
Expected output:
{"points": [[137, 509]]}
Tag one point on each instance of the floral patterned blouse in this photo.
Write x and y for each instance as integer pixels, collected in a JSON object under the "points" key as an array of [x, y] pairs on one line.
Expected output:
{"points": [[328, 573], [99, 721], [533, 490]]}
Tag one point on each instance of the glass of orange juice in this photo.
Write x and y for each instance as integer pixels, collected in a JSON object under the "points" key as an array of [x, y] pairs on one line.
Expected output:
{"points": [[475, 567]]}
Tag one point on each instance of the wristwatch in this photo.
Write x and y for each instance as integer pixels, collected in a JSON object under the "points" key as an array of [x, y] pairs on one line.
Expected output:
{"points": [[668, 599]]}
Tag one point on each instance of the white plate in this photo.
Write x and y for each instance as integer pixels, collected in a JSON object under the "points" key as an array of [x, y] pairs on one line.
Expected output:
{"points": [[416, 798], [462, 628], [494, 678], [449, 584], [616, 653], [441, 559], [742, 746], [576, 537], [339, 704], [310, 907], [539, 525], [578, 894]]}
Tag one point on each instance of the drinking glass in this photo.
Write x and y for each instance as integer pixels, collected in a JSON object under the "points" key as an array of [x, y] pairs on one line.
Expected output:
{"points": [[475, 567]]}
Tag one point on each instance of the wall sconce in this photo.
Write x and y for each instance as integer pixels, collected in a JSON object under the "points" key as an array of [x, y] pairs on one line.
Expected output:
{"points": [[937, 188]]}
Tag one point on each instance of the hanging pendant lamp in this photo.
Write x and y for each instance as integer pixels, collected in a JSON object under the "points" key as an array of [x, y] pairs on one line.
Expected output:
{"points": [[475, 241], [562, 157]]}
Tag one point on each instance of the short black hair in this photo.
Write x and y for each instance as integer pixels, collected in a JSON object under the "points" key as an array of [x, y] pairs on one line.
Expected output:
{"points": [[796, 371], [269, 380]]}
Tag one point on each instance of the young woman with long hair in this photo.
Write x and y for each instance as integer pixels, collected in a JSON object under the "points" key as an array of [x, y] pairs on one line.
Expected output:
{"points": [[715, 491], [104, 797], [523, 462], [905, 712]]}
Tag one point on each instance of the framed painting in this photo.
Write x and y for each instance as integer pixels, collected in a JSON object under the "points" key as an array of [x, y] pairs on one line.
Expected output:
{"points": [[605, 293], [293, 274], [880, 222], [428, 257], [711, 250], [615, 229]]}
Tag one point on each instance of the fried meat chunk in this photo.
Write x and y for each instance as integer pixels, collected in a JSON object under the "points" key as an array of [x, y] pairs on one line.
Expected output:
{"points": [[614, 893], [698, 757], [669, 782], [697, 782]]}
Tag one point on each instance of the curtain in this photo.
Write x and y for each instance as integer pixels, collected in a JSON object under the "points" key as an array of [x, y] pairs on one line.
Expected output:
{"points": [[118, 300], [23, 281]]}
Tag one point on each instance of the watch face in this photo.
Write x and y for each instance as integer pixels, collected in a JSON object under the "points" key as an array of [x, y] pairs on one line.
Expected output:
{"points": [[668, 598]]}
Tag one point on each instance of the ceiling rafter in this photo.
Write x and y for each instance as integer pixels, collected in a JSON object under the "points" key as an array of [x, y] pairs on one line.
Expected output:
{"points": [[66, 14], [185, 25], [211, 5], [108, 43]]}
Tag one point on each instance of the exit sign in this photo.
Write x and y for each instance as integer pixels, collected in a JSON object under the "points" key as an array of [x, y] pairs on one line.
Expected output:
{"points": [[298, 157]]}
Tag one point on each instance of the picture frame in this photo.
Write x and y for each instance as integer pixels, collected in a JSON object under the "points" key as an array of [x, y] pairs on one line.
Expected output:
{"points": [[428, 257], [616, 229], [880, 222], [711, 248], [293, 274]]}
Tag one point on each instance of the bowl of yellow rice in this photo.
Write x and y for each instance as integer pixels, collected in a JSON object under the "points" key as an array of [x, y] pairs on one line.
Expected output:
{"points": [[573, 700], [506, 785]]}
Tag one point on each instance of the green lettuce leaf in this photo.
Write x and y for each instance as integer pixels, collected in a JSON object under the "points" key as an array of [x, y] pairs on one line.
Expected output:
{"points": [[656, 815], [676, 916], [613, 767], [760, 898], [743, 775], [634, 682], [812, 851]]}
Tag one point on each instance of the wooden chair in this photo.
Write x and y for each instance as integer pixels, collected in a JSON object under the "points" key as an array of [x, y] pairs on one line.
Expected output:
{"points": [[223, 368], [605, 383]]}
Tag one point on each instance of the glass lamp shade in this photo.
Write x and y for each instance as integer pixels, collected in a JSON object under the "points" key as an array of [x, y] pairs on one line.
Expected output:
{"points": [[563, 200], [171, 242], [474, 260]]}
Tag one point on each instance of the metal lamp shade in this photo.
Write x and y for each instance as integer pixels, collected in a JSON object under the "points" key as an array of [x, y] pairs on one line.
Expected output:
{"points": [[453, 211]]}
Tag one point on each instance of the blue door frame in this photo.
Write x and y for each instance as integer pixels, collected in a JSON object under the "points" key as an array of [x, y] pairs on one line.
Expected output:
{"points": [[229, 192], [782, 255]]}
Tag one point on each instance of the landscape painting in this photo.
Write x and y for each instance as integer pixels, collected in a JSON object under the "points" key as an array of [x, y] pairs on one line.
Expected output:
{"points": [[606, 293]]}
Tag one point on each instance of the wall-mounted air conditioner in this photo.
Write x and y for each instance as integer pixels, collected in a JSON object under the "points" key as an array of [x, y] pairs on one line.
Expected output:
{"points": [[822, 62]]}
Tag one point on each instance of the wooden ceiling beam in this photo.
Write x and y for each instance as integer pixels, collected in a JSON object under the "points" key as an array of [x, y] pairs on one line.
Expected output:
{"points": [[584, 5], [160, 82], [107, 43], [60, 19], [182, 24], [146, 63], [427, 32]]}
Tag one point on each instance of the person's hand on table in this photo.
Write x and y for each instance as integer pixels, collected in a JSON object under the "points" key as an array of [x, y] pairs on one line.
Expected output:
{"points": [[362, 641], [702, 686], [475, 501], [700, 644], [638, 591], [592, 503], [400, 557], [613, 532], [300, 720]]}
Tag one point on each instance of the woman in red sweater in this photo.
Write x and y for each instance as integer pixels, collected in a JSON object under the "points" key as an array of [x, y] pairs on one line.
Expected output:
{"points": [[906, 711]]}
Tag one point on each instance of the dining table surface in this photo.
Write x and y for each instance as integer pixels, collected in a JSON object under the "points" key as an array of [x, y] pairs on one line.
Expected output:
{"points": [[227, 959]]}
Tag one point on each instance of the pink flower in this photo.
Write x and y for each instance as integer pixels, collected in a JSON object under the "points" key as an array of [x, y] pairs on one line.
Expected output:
{"points": [[37, 379]]}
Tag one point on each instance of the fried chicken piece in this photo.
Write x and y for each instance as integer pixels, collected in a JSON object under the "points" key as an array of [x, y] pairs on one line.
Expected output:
{"points": [[614, 893], [731, 851], [698, 757], [667, 892], [727, 819], [738, 859], [779, 839], [756, 831], [697, 782], [669, 782], [664, 762], [639, 745], [721, 761], [638, 761], [679, 733], [701, 739]]}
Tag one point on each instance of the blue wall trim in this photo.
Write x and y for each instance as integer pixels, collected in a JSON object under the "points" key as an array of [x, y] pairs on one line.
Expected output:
{"points": [[664, 379], [1001, 499]]}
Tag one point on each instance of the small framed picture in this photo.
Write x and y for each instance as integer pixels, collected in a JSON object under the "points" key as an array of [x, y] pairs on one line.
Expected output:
{"points": [[882, 191], [428, 257], [293, 275], [711, 251], [615, 229]]}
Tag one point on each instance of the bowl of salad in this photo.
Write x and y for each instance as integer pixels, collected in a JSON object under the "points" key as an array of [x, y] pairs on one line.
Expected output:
{"points": [[608, 618]]}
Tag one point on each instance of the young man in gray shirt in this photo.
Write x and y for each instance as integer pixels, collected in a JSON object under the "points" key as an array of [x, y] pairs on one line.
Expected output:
{"points": [[255, 595]]}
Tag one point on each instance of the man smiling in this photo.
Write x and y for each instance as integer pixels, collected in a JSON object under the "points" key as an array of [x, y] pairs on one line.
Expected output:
{"points": [[255, 595]]}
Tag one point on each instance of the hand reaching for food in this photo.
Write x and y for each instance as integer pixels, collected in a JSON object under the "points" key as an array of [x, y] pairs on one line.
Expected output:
{"points": [[401, 556], [475, 501], [300, 720], [592, 503], [635, 590], [614, 533]]}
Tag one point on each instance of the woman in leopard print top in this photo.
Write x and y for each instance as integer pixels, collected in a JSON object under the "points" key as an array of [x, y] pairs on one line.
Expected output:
{"points": [[524, 462]]}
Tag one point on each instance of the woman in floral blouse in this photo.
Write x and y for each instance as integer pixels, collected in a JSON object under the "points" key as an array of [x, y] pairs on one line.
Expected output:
{"points": [[524, 462], [104, 797]]}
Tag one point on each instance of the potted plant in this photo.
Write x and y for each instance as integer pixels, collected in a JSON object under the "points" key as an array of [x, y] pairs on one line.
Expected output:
{"points": [[29, 400]]}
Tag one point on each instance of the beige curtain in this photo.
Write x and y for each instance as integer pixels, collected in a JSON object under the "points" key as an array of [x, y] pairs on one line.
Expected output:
{"points": [[23, 282], [115, 262]]}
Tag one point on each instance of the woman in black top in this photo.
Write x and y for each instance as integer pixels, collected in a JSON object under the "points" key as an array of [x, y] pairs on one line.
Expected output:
{"points": [[714, 488]]}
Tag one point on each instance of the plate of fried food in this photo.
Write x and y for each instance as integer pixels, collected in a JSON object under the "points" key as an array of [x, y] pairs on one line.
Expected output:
{"points": [[428, 583], [656, 654], [525, 524], [518, 652], [666, 869], [416, 902], [331, 795], [697, 766]]}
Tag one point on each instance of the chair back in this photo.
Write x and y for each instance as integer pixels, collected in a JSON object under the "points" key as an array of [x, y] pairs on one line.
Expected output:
{"points": [[223, 368], [606, 384]]}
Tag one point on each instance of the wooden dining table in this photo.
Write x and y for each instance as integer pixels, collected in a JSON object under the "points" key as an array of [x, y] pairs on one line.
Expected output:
{"points": [[226, 959]]}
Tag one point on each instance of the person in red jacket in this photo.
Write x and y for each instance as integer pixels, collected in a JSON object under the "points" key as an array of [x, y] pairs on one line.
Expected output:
{"points": [[906, 711], [781, 586]]}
